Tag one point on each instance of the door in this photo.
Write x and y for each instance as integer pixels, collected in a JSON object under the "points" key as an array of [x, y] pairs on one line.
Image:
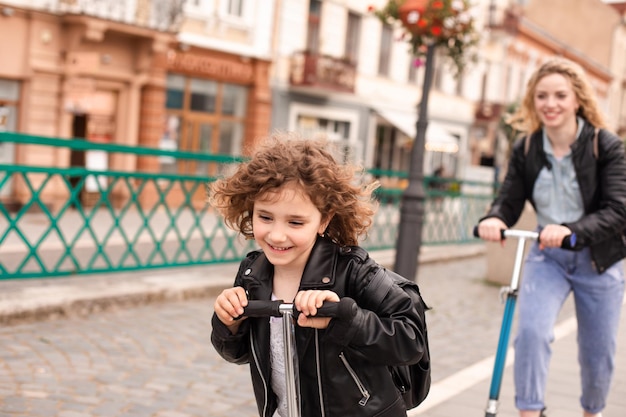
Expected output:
{"points": [[77, 157], [199, 136]]}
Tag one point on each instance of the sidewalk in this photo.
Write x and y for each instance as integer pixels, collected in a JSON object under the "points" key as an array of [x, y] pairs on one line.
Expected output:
{"points": [[464, 324], [466, 392], [35, 299]]}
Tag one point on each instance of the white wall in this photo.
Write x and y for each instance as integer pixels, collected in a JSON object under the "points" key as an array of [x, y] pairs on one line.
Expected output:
{"points": [[251, 36]]}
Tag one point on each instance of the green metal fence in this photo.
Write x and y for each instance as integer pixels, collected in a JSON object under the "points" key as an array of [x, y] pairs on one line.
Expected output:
{"points": [[129, 223]]}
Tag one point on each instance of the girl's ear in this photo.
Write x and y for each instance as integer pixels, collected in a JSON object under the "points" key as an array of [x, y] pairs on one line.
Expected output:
{"points": [[324, 225]]}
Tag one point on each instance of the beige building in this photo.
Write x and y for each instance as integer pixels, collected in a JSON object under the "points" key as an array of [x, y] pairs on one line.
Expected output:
{"points": [[74, 75], [119, 75]]}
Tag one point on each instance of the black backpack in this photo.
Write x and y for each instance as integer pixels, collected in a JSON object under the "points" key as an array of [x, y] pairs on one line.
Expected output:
{"points": [[413, 381]]}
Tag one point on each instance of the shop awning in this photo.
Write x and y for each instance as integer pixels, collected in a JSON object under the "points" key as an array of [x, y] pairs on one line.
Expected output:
{"points": [[438, 139]]}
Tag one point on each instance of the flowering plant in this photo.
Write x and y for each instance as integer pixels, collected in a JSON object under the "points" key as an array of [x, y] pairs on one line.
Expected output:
{"points": [[442, 23]]}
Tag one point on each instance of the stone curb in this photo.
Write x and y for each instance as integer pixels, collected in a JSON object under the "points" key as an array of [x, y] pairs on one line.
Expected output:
{"points": [[45, 299]]}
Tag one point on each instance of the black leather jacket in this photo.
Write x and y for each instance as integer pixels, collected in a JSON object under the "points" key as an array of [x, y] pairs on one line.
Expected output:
{"points": [[602, 183], [343, 368]]}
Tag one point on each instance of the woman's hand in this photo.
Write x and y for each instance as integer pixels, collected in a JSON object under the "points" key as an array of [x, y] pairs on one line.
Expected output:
{"points": [[229, 305], [307, 303], [491, 229], [552, 236]]}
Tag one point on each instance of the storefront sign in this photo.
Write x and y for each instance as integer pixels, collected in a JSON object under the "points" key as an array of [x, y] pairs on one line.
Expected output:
{"points": [[210, 67]]}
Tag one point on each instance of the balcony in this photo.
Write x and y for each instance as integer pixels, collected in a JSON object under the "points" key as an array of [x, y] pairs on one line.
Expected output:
{"points": [[505, 19], [163, 15], [321, 71]]}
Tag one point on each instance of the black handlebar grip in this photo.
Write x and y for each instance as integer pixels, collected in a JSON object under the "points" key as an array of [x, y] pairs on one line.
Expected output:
{"points": [[569, 242], [346, 308], [262, 308]]}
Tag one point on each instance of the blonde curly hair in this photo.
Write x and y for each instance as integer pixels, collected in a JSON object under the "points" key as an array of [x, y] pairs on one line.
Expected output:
{"points": [[287, 158], [526, 120]]}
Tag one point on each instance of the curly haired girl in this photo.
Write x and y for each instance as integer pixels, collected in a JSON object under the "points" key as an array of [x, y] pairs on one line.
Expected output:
{"points": [[306, 212]]}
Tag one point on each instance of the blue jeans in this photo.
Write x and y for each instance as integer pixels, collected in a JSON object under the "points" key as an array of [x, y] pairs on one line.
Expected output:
{"points": [[548, 278]]}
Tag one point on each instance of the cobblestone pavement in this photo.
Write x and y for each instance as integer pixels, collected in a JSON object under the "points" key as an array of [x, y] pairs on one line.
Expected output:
{"points": [[157, 360]]}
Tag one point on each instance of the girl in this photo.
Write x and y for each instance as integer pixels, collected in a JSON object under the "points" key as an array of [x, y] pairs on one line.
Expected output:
{"points": [[573, 171], [306, 213]]}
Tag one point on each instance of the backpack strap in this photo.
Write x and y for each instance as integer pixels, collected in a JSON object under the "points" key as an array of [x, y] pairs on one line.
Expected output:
{"points": [[379, 287]]}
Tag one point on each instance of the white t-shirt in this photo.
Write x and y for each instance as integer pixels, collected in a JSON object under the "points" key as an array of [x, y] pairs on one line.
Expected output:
{"points": [[277, 361]]}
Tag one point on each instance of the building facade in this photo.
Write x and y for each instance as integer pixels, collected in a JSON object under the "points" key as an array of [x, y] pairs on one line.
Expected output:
{"points": [[215, 76], [132, 72], [91, 76], [340, 73]]}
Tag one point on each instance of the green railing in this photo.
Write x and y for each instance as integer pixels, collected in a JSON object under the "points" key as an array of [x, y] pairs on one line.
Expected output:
{"points": [[129, 221]]}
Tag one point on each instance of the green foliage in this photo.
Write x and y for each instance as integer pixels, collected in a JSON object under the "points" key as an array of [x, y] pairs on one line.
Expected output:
{"points": [[509, 131]]}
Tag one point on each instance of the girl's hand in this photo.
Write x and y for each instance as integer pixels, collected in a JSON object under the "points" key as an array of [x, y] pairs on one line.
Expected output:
{"points": [[491, 229], [307, 303], [552, 236], [229, 305]]}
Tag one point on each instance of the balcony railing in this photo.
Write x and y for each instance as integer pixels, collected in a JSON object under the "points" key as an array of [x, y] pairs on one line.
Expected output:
{"points": [[155, 14], [504, 18], [322, 71]]}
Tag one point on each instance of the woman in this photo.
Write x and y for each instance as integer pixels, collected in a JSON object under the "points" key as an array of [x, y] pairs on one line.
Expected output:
{"points": [[573, 172]]}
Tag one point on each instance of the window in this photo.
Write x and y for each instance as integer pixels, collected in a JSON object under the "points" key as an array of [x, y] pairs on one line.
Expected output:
{"points": [[170, 142], [203, 116], [237, 12], [353, 38], [231, 138], [390, 152], [234, 101], [203, 95], [385, 50], [235, 8], [9, 103], [175, 92], [337, 131], [313, 29]]}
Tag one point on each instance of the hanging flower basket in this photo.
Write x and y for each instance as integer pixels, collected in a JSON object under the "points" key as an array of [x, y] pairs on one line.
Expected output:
{"points": [[442, 23]]}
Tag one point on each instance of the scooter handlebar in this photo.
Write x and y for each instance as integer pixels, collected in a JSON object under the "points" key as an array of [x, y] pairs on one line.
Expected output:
{"points": [[343, 309], [569, 241]]}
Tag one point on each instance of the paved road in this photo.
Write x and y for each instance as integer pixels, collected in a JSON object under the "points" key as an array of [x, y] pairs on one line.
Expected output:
{"points": [[157, 361]]}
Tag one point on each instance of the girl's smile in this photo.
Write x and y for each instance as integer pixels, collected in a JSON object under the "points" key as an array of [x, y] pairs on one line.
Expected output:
{"points": [[286, 224]]}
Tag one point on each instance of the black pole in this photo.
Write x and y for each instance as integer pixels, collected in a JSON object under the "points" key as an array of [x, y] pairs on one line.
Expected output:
{"points": [[412, 204]]}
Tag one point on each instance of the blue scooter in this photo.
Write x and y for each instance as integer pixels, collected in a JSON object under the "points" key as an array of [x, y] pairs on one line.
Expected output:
{"points": [[509, 308]]}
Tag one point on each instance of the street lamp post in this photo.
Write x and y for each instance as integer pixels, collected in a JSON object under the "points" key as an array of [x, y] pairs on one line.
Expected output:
{"points": [[412, 204], [429, 24]]}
